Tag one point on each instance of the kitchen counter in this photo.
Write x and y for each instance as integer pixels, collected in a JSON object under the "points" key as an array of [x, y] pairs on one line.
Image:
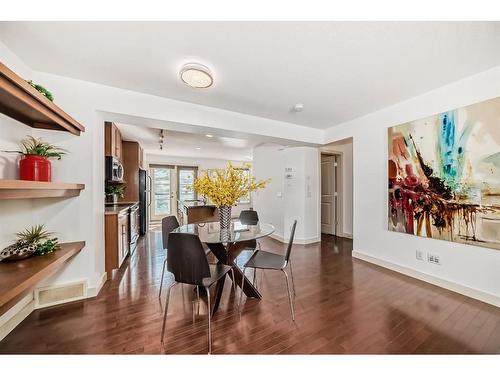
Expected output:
{"points": [[116, 209]]}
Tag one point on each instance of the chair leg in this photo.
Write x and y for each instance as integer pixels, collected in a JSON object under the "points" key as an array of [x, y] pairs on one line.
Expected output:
{"points": [[293, 281], [240, 306], [165, 314], [234, 282], [209, 322], [162, 275], [255, 278], [289, 295]]}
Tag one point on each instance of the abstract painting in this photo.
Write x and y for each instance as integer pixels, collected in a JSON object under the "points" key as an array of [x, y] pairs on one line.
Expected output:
{"points": [[444, 175]]}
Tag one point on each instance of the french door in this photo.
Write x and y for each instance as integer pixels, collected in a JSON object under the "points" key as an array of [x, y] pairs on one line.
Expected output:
{"points": [[161, 190], [169, 183]]}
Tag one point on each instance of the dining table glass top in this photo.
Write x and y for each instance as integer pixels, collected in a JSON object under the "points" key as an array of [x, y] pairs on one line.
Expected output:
{"points": [[210, 232]]}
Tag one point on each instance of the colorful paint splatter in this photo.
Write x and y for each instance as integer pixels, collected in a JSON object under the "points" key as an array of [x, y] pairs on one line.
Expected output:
{"points": [[444, 176]]}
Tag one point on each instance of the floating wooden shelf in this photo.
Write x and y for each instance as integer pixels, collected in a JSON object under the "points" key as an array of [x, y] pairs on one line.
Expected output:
{"points": [[21, 101], [20, 276], [18, 189]]}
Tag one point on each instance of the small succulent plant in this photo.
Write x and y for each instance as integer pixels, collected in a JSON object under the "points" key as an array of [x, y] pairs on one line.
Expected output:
{"points": [[33, 235]]}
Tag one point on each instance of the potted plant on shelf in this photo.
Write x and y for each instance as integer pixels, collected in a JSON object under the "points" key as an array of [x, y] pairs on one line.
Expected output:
{"points": [[113, 192], [33, 241], [35, 164], [225, 188]]}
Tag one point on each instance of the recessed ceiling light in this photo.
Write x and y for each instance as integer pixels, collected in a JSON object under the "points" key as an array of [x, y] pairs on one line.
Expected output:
{"points": [[209, 135], [196, 75], [299, 107], [198, 148]]}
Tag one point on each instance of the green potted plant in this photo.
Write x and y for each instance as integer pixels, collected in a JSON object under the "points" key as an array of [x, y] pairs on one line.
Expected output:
{"points": [[33, 241], [113, 192], [35, 164], [42, 90]]}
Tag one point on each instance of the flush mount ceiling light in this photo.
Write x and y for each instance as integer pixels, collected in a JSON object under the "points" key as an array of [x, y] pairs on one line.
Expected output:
{"points": [[196, 75], [299, 107], [209, 135]]}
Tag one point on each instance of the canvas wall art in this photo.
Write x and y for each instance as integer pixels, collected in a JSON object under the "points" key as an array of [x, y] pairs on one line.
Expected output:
{"points": [[444, 176]]}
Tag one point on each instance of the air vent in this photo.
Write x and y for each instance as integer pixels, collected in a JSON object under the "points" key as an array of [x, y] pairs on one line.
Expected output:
{"points": [[50, 296]]}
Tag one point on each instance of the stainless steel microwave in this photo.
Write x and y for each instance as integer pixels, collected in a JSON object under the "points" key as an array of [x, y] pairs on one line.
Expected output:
{"points": [[114, 170]]}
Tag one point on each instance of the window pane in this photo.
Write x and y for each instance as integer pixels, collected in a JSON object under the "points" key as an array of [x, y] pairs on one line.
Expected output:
{"points": [[161, 190], [186, 179]]}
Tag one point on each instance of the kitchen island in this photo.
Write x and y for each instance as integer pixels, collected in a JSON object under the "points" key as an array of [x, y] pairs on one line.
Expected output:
{"points": [[196, 211]]}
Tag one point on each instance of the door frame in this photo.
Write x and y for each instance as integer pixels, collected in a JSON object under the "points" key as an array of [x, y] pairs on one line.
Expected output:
{"points": [[339, 204]]}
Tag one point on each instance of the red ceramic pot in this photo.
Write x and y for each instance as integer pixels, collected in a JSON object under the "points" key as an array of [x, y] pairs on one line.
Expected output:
{"points": [[35, 168]]}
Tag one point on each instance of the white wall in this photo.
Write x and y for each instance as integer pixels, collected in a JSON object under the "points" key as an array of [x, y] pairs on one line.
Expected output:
{"points": [[287, 199], [345, 148], [469, 269]]}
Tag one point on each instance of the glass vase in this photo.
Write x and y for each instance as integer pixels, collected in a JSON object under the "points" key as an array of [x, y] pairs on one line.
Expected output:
{"points": [[225, 222]]}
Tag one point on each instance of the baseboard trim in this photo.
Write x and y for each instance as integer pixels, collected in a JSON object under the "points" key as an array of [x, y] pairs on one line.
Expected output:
{"points": [[94, 292], [443, 283], [298, 241], [15, 315]]}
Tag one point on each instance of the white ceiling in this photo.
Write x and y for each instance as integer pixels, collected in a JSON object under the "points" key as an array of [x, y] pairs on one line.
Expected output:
{"points": [[339, 70], [185, 144]]}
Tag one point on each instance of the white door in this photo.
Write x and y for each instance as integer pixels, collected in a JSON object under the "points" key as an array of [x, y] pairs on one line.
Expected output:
{"points": [[161, 192], [328, 194]]}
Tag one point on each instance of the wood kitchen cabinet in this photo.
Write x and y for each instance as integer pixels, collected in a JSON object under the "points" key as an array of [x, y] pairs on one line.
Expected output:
{"points": [[112, 141], [117, 239], [132, 161]]}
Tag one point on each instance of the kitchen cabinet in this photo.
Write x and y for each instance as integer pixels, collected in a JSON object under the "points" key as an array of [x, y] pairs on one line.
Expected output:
{"points": [[132, 162], [112, 141], [116, 237]]}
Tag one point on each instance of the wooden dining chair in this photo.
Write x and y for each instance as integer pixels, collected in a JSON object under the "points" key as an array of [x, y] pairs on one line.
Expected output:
{"points": [[269, 261], [188, 263], [168, 224]]}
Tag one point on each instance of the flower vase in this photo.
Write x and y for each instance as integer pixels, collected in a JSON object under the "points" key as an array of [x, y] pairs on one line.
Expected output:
{"points": [[225, 222]]}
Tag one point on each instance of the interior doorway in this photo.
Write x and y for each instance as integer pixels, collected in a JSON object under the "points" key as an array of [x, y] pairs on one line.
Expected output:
{"points": [[336, 204], [330, 193]]}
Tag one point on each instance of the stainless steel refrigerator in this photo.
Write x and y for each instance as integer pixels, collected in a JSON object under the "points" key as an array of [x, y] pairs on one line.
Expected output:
{"points": [[143, 201]]}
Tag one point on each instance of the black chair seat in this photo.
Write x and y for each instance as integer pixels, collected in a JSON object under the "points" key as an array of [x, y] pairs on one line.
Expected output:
{"points": [[266, 260], [217, 272]]}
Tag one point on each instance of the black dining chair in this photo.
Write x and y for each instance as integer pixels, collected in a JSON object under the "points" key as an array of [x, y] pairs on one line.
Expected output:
{"points": [[250, 217], [269, 261], [188, 263], [168, 224]]}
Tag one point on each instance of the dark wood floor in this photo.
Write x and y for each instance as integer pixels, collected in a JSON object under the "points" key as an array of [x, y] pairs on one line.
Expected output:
{"points": [[343, 305]]}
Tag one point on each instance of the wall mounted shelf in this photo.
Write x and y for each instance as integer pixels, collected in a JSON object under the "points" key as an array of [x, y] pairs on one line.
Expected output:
{"points": [[21, 101], [18, 277], [19, 189]]}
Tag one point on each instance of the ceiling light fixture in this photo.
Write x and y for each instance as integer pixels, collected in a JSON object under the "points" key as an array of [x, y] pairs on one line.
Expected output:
{"points": [[299, 107], [209, 135], [196, 75], [198, 148]]}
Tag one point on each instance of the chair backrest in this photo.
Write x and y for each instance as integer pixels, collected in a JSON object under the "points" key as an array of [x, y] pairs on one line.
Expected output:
{"points": [[290, 241], [168, 224], [186, 258], [249, 217]]}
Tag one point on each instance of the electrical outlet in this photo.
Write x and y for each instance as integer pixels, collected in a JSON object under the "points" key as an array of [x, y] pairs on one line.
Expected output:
{"points": [[419, 254], [433, 258]]}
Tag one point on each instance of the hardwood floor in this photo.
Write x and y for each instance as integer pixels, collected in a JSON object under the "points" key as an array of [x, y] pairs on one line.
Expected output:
{"points": [[343, 305]]}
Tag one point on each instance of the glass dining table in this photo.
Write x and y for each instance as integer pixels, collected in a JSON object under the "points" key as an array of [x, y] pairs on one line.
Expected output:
{"points": [[226, 246]]}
